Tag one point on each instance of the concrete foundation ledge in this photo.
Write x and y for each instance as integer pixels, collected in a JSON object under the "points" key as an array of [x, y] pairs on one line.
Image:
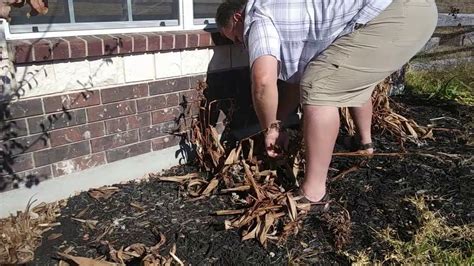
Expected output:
{"points": [[133, 168]]}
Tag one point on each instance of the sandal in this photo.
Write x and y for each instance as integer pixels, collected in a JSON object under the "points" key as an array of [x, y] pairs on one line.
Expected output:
{"points": [[317, 207], [353, 144]]}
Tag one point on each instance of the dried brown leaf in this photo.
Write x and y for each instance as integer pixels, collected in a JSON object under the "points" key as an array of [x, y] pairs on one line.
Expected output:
{"points": [[251, 180], [103, 192], [250, 154], [178, 179], [253, 233], [229, 212], [81, 261], [232, 157], [210, 187], [269, 220], [268, 173], [137, 206], [292, 207], [138, 248], [215, 137], [173, 255], [54, 236], [236, 189], [194, 187]]}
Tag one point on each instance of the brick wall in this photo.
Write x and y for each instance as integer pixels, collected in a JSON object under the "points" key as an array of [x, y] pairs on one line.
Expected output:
{"points": [[82, 102]]}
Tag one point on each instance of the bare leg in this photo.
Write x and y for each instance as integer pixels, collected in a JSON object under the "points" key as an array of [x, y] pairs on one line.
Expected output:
{"points": [[363, 121], [321, 126]]}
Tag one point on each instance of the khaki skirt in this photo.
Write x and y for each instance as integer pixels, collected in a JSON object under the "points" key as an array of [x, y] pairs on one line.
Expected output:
{"points": [[346, 73]]}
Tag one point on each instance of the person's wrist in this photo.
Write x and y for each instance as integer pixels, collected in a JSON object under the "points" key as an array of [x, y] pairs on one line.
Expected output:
{"points": [[274, 127]]}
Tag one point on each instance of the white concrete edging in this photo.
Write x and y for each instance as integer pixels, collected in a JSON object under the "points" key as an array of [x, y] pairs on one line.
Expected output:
{"points": [[448, 20], [134, 168]]}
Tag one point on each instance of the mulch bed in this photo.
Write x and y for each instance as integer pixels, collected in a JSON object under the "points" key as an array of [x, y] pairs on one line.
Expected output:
{"points": [[374, 196]]}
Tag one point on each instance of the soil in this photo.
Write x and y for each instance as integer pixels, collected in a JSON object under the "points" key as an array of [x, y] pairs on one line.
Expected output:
{"points": [[375, 197]]}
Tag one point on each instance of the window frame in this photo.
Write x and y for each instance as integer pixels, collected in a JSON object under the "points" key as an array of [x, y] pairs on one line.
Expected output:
{"points": [[185, 21]]}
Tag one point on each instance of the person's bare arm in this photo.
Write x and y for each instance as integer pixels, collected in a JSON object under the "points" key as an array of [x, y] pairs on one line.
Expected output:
{"points": [[264, 89]]}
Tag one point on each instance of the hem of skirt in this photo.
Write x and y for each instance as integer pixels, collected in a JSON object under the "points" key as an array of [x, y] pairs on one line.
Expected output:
{"points": [[334, 104]]}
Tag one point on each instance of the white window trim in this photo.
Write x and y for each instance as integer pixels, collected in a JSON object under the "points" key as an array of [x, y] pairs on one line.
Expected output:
{"points": [[186, 17]]}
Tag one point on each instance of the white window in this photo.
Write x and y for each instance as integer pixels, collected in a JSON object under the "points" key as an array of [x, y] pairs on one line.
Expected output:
{"points": [[79, 17], [205, 11]]}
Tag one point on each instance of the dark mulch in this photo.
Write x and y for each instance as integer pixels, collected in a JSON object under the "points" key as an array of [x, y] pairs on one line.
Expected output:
{"points": [[374, 197]]}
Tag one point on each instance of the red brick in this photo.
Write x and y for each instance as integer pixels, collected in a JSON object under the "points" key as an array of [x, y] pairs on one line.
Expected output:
{"points": [[205, 39], [193, 109], [127, 123], [139, 43], [169, 85], [78, 164], [196, 81], [35, 176], [61, 153], [114, 141], [154, 42], [60, 49], [94, 45], [188, 97], [77, 46], [157, 102], [111, 111], [165, 142], [26, 144], [165, 115], [24, 51], [157, 131], [111, 44], [19, 163], [13, 129], [76, 134], [43, 50], [23, 108], [193, 40], [124, 93], [167, 41], [180, 40], [71, 101], [128, 151], [56, 121], [125, 43]]}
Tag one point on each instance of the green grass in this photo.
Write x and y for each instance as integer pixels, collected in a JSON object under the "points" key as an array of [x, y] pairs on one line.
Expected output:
{"points": [[434, 242], [456, 83]]}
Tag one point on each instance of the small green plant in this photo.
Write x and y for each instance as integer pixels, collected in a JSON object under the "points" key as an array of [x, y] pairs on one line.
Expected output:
{"points": [[456, 83]]}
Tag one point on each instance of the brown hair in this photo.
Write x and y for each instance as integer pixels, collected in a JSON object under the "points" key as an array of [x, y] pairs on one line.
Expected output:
{"points": [[226, 10]]}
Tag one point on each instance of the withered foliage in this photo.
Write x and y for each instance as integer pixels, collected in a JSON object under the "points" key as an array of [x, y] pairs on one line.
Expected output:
{"points": [[268, 209], [148, 256], [385, 119], [21, 234], [36, 7]]}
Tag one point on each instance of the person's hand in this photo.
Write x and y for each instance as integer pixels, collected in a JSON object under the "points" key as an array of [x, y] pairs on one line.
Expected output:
{"points": [[276, 142]]}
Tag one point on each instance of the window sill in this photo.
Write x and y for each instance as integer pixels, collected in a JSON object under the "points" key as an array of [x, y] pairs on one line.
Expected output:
{"points": [[80, 47]]}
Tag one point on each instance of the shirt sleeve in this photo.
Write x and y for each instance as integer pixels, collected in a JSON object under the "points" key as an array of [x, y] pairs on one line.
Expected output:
{"points": [[263, 39]]}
